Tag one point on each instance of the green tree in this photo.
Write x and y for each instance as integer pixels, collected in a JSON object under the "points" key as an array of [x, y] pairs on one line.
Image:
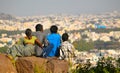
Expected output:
{"points": [[82, 45], [3, 49]]}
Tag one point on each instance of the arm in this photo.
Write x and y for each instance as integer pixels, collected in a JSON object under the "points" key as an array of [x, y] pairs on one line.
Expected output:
{"points": [[71, 49], [38, 43], [46, 43]]}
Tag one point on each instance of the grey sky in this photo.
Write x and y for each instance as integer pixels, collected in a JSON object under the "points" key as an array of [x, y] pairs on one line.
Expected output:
{"points": [[46, 7]]}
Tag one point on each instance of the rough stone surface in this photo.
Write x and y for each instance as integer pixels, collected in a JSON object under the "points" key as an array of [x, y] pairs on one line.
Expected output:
{"points": [[41, 65], [57, 66], [6, 65]]}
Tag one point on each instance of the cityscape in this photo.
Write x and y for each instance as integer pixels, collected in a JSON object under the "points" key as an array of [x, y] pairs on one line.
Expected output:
{"points": [[103, 27], [93, 27]]}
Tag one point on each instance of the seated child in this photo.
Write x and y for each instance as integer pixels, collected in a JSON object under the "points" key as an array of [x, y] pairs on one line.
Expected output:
{"points": [[67, 49]]}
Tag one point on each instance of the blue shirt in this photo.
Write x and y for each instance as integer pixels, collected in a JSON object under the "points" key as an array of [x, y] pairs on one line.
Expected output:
{"points": [[54, 39]]}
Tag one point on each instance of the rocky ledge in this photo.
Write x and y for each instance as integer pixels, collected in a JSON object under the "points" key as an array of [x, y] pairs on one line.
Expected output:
{"points": [[33, 65]]}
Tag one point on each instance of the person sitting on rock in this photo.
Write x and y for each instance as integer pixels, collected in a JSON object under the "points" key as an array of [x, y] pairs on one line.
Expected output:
{"points": [[25, 49], [67, 49], [54, 42], [41, 36]]}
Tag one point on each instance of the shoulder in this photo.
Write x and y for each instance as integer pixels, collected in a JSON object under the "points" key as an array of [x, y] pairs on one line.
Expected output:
{"points": [[34, 37], [66, 43], [54, 35], [57, 35], [35, 33]]}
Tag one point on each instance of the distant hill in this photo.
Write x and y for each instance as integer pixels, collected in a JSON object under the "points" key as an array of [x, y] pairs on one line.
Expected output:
{"points": [[4, 16]]}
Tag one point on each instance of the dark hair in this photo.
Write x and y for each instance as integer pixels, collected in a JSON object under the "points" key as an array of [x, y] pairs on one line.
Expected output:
{"points": [[65, 37], [53, 29], [28, 32], [39, 27]]}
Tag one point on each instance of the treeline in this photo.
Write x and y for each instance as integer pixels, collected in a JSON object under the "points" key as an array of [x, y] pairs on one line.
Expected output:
{"points": [[10, 32], [104, 30], [100, 30], [82, 45], [106, 45]]}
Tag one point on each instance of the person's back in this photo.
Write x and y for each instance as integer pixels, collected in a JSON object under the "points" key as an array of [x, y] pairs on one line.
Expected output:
{"points": [[67, 49], [41, 37], [27, 48], [54, 39]]}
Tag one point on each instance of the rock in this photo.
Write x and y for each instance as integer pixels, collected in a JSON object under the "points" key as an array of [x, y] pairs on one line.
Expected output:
{"points": [[41, 65], [33, 65], [6, 65], [57, 66]]}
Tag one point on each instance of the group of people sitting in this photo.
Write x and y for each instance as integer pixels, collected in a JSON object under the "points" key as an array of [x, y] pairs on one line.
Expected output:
{"points": [[42, 45]]}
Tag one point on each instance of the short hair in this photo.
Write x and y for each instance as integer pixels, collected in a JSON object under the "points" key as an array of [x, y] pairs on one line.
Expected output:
{"points": [[39, 27], [28, 32], [53, 29], [65, 37]]}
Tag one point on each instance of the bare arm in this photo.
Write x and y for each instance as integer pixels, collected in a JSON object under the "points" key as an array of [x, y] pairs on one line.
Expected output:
{"points": [[38, 43]]}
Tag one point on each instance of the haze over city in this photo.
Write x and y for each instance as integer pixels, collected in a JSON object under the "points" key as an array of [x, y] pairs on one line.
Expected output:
{"points": [[47, 7], [93, 27]]}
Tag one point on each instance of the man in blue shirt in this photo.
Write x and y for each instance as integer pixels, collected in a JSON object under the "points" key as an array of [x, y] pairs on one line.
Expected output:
{"points": [[54, 39]]}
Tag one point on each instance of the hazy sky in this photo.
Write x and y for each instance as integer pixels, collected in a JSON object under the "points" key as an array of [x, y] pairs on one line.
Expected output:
{"points": [[46, 7]]}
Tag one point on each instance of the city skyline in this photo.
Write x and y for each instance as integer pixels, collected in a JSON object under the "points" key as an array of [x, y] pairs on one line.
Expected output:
{"points": [[47, 7]]}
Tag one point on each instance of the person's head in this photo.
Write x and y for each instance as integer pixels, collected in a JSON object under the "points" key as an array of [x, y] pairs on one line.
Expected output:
{"points": [[53, 29], [65, 37], [28, 32], [39, 27]]}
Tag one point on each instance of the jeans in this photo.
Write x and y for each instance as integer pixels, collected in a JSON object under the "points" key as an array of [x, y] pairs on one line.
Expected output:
{"points": [[47, 50]]}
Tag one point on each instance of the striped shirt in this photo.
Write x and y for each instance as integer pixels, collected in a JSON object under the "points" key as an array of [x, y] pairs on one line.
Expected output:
{"points": [[67, 50]]}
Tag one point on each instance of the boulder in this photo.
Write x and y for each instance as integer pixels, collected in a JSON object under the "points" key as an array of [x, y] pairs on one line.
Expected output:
{"points": [[6, 65], [41, 65], [57, 66]]}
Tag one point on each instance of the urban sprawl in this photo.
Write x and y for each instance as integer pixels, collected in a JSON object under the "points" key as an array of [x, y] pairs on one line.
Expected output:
{"points": [[73, 24]]}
